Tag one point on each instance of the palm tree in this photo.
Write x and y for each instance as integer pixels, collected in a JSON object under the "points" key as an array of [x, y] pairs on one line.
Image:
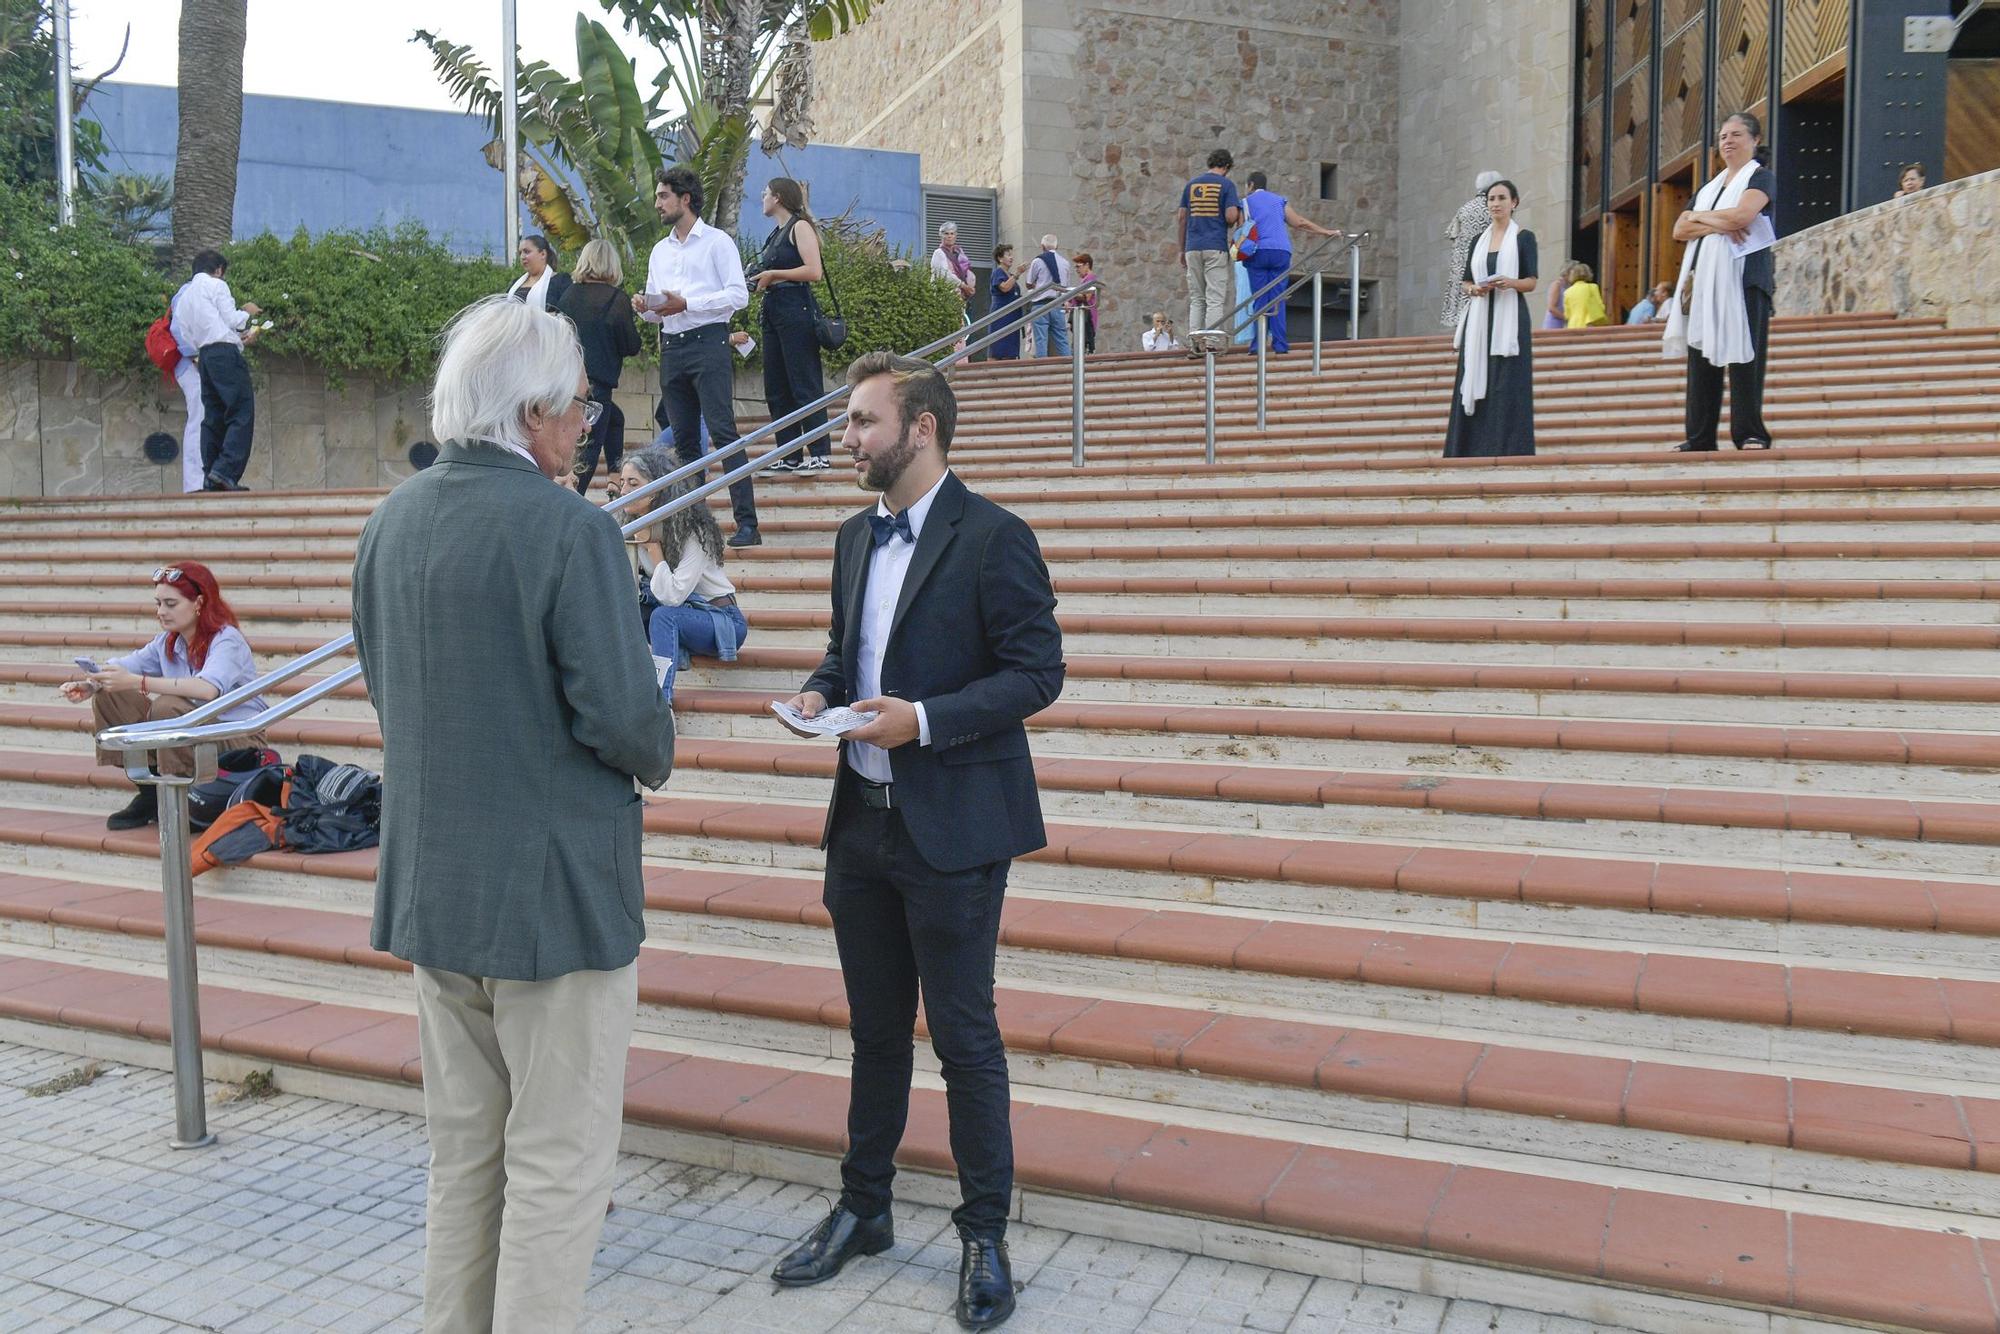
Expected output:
{"points": [[211, 124]]}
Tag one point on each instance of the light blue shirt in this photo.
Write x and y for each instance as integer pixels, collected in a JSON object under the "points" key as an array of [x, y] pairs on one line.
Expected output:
{"points": [[1642, 312], [227, 666], [1267, 212]]}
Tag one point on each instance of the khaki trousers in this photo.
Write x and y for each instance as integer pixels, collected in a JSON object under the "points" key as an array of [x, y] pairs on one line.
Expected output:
{"points": [[1211, 281], [120, 708], [524, 1089]]}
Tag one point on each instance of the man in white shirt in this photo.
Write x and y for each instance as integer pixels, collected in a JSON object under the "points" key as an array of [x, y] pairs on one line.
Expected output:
{"points": [[1050, 270], [207, 318], [694, 283]]}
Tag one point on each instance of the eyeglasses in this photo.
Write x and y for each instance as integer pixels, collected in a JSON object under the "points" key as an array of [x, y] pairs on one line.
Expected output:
{"points": [[592, 410]]}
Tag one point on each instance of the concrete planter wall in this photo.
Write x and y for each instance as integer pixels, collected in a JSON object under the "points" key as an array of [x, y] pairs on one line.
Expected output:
{"points": [[68, 431], [1935, 255]]}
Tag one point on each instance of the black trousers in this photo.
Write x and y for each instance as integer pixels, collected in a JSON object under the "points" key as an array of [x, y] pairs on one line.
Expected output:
{"points": [[901, 927], [697, 385], [793, 376], [1746, 384], [606, 438], [228, 411]]}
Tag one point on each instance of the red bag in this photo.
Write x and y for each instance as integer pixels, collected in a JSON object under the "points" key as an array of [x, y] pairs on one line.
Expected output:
{"points": [[161, 349]]}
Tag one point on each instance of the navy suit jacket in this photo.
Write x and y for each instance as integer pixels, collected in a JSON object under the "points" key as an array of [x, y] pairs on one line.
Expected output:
{"points": [[973, 639]]}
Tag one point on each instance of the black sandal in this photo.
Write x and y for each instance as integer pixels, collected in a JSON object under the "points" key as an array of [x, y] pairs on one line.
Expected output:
{"points": [[1753, 443]]}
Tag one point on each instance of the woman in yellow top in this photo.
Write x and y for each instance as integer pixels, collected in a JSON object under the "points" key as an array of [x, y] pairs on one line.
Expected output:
{"points": [[1583, 299]]}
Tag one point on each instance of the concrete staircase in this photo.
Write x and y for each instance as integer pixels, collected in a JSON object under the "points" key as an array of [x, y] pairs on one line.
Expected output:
{"points": [[1566, 881]]}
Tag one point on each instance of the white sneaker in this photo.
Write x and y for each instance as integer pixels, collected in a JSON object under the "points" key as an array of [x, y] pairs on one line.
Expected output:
{"points": [[817, 463]]}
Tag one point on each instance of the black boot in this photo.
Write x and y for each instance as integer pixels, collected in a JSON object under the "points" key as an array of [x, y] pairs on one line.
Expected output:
{"points": [[839, 1238], [985, 1283], [141, 811]]}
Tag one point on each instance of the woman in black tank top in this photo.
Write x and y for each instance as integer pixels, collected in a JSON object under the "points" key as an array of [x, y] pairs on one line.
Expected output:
{"points": [[793, 376]]}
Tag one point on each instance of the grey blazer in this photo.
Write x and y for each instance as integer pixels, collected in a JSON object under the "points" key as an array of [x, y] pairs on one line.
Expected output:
{"points": [[496, 621]]}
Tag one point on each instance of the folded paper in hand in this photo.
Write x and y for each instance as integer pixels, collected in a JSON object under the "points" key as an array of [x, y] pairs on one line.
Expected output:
{"points": [[1759, 235], [831, 723]]}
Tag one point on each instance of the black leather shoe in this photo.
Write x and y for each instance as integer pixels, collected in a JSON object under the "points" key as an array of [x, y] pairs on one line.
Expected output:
{"points": [[827, 1248], [142, 810], [985, 1283], [746, 537], [217, 482]]}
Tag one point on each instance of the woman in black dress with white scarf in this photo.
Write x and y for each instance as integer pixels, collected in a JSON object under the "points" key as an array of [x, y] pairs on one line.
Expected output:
{"points": [[1493, 398]]}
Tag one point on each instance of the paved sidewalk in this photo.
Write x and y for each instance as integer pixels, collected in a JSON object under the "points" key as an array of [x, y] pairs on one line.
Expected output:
{"points": [[309, 1216]]}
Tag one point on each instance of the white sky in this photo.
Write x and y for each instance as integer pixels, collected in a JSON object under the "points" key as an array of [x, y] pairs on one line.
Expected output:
{"points": [[356, 51]]}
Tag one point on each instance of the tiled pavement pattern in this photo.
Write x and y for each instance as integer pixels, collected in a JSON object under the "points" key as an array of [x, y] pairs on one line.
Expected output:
{"points": [[308, 1215]]}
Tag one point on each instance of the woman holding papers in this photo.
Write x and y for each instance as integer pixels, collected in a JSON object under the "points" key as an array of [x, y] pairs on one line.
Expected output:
{"points": [[1493, 402], [1720, 313]]}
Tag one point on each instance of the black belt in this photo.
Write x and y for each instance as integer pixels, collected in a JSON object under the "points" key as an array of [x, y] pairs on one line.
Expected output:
{"points": [[874, 795], [726, 600], [706, 333]]}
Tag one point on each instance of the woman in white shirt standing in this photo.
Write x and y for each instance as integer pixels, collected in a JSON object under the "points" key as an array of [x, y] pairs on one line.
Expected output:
{"points": [[539, 284], [680, 560]]}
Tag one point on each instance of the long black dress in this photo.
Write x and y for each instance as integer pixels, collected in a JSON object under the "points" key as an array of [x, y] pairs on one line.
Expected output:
{"points": [[1504, 421]]}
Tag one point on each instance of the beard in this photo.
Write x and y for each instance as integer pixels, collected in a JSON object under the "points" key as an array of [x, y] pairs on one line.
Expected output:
{"points": [[886, 469]]}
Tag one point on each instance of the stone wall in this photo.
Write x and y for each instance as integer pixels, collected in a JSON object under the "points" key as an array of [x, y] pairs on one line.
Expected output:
{"points": [[922, 78], [1283, 84], [66, 431], [1933, 256], [1485, 86]]}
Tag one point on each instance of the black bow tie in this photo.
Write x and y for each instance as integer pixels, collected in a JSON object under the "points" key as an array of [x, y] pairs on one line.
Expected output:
{"points": [[885, 529]]}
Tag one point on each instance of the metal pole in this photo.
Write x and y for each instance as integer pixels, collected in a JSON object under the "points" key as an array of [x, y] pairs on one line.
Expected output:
{"points": [[1208, 416], [1263, 364], [65, 119], [1319, 312], [183, 986], [1354, 290], [1076, 324], [510, 129]]}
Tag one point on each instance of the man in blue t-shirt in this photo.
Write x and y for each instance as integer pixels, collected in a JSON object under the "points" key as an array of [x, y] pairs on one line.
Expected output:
{"points": [[1209, 208]]}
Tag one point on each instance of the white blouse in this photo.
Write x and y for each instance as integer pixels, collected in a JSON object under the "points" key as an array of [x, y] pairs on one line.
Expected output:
{"points": [[695, 575]]}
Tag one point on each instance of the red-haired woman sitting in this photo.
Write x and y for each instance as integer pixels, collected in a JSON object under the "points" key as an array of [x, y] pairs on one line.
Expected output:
{"points": [[199, 655]]}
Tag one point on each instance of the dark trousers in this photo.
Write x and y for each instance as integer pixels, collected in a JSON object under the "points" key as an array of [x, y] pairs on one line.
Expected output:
{"points": [[1746, 384], [793, 376], [1263, 268], [606, 438], [228, 411], [900, 927], [1090, 333], [696, 386]]}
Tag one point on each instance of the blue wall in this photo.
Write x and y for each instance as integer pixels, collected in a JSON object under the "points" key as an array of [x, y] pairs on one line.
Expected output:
{"points": [[332, 165]]}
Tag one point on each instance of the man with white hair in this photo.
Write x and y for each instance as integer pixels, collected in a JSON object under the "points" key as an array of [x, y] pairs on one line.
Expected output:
{"points": [[1465, 227], [493, 619], [1047, 274]]}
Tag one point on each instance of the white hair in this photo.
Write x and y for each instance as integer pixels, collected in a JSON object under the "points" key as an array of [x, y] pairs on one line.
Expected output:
{"points": [[1049, 241], [947, 229], [1485, 181], [501, 357]]}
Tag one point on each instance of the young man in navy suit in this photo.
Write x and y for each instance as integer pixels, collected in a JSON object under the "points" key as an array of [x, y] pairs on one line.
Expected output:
{"points": [[944, 625]]}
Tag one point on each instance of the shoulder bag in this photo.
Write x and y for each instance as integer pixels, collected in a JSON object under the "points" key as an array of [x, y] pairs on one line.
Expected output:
{"points": [[830, 330]]}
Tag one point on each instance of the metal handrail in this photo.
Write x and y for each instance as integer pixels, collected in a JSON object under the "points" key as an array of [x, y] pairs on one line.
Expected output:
{"points": [[198, 729], [1251, 302]]}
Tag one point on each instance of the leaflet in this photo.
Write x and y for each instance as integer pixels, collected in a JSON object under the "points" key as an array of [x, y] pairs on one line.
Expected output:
{"points": [[831, 723]]}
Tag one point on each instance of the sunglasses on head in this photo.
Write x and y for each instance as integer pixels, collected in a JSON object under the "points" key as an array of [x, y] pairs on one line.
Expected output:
{"points": [[174, 574]]}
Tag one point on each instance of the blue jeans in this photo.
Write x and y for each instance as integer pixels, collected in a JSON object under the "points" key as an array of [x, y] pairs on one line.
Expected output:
{"points": [[1264, 266], [1052, 332], [694, 627]]}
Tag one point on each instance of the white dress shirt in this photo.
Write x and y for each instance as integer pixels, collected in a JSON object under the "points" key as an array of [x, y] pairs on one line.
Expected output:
{"points": [[1159, 340], [887, 565], [705, 270], [538, 294], [205, 312]]}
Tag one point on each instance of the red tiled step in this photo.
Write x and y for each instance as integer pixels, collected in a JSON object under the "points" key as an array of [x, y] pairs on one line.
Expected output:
{"points": [[1887, 1125], [1707, 1250]]}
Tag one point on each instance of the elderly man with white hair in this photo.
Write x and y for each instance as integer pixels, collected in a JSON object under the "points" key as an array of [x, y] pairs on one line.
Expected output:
{"points": [[1048, 273], [518, 702], [1465, 226]]}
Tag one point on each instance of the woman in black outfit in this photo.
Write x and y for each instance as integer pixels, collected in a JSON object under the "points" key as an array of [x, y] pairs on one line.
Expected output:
{"points": [[793, 377], [602, 314], [1493, 396]]}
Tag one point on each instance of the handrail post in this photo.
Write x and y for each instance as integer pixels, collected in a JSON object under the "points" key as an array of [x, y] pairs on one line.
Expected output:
{"points": [[183, 980], [1076, 322], [1354, 290], [1208, 400], [1263, 364], [1319, 312]]}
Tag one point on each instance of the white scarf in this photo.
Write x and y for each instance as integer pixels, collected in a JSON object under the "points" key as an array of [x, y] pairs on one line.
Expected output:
{"points": [[1473, 318], [538, 295], [1718, 327]]}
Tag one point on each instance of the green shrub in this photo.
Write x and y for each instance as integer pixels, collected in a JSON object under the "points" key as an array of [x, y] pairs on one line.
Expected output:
{"points": [[73, 292], [885, 308]]}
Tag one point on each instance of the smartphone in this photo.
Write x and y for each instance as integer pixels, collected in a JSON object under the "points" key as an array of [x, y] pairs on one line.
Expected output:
{"points": [[88, 664]]}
